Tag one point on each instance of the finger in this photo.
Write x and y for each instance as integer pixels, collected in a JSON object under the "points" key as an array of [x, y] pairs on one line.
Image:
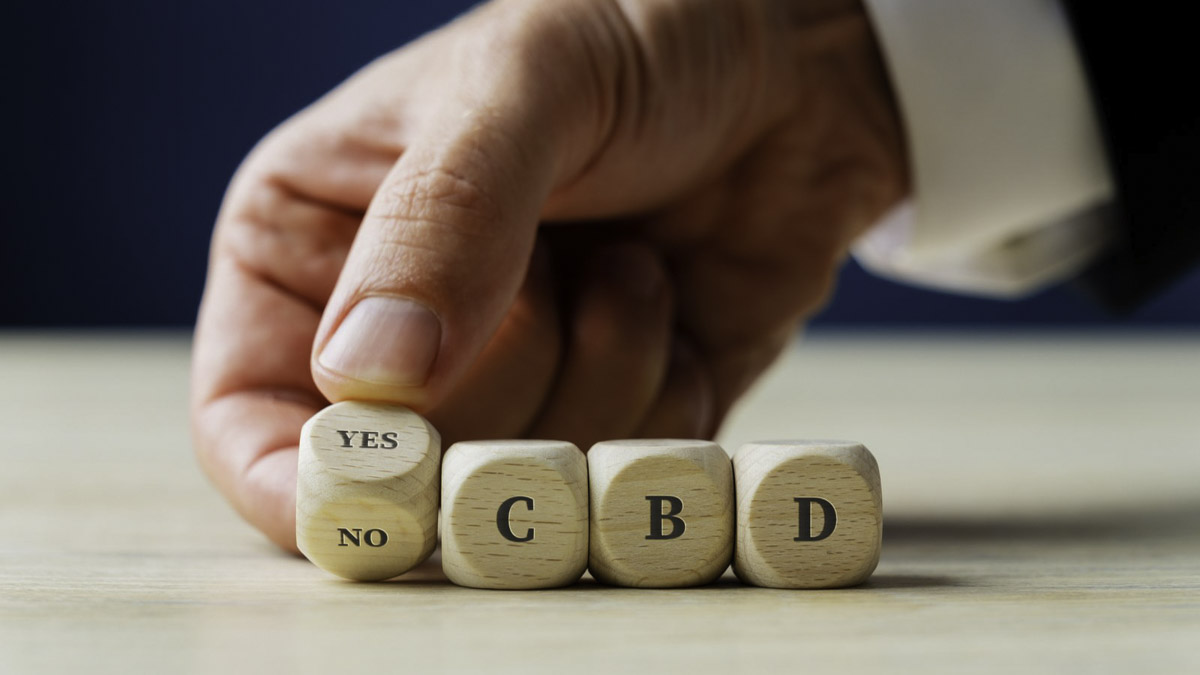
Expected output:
{"points": [[251, 393], [501, 395], [295, 243], [617, 349], [733, 370], [281, 240], [768, 258], [684, 407], [442, 250], [323, 156], [249, 449]]}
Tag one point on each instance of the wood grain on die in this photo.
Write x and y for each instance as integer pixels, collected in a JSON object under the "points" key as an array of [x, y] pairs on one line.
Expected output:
{"points": [[809, 514], [661, 512], [514, 514], [367, 490]]}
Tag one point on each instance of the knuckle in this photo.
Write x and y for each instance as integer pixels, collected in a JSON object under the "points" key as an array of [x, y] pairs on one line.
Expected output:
{"points": [[444, 199]]}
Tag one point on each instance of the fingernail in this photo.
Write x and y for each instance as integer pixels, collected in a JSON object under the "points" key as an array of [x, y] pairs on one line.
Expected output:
{"points": [[635, 270], [385, 340]]}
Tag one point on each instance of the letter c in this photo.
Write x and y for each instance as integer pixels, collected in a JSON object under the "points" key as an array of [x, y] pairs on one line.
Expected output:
{"points": [[502, 516]]}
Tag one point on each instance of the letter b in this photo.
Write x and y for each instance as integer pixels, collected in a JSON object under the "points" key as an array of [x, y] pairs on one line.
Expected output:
{"points": [[657, 517]]}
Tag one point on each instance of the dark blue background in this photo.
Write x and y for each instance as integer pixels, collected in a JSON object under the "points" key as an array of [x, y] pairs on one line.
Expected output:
{"points": [[124, 120]]}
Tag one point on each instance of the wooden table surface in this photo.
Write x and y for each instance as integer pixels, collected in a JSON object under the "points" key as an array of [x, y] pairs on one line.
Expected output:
{"points": [[1042, 508]]}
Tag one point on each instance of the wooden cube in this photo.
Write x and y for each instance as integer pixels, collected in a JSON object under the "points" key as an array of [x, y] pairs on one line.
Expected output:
{"points": [[367, 490], [661, 512], [809, 514], [514, 514]]}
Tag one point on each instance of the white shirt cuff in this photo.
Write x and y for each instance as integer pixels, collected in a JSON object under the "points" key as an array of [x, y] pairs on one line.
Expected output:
{"points": [[1007, 162]]}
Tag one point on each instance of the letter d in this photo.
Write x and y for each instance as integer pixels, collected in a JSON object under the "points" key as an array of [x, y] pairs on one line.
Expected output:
{"points": [[806, 519]]}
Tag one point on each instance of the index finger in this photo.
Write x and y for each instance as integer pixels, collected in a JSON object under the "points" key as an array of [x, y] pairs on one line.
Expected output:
{"points": [[278, 247]]}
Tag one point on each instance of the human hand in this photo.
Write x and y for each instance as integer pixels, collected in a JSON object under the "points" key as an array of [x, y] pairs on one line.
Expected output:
{"points": [[706, 164]]}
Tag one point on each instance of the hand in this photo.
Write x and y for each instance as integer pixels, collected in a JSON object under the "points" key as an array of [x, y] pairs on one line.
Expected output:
{"points": [[705, 164]]}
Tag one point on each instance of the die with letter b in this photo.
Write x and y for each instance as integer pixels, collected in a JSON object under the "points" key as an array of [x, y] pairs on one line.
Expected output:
{"points": [[661, 512]]}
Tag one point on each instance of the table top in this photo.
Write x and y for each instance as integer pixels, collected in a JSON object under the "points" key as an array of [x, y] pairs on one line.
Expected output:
{"points": [[1042, 514]]}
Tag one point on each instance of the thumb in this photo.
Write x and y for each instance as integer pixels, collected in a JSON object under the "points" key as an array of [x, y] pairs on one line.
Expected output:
{"points": [[439, 257]]}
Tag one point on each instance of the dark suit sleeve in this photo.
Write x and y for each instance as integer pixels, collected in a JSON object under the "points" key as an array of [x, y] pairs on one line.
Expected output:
{"points": [[1141, 66]]}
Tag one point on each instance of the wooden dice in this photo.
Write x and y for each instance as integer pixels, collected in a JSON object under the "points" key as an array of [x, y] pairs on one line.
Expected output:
{"points": [[661, 512], [514, 514], [367, 490], [535, 514], [809, 514]]}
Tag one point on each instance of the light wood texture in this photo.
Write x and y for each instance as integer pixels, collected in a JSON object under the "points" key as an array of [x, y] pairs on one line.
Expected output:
{"points": [[661, 512], [367, 490], [809, 514], [514, 514], [1042, 517]]}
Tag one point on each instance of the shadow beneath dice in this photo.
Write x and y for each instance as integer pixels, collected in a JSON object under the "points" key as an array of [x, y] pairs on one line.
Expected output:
{"points": [[890, 582], [1097, 526]]}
